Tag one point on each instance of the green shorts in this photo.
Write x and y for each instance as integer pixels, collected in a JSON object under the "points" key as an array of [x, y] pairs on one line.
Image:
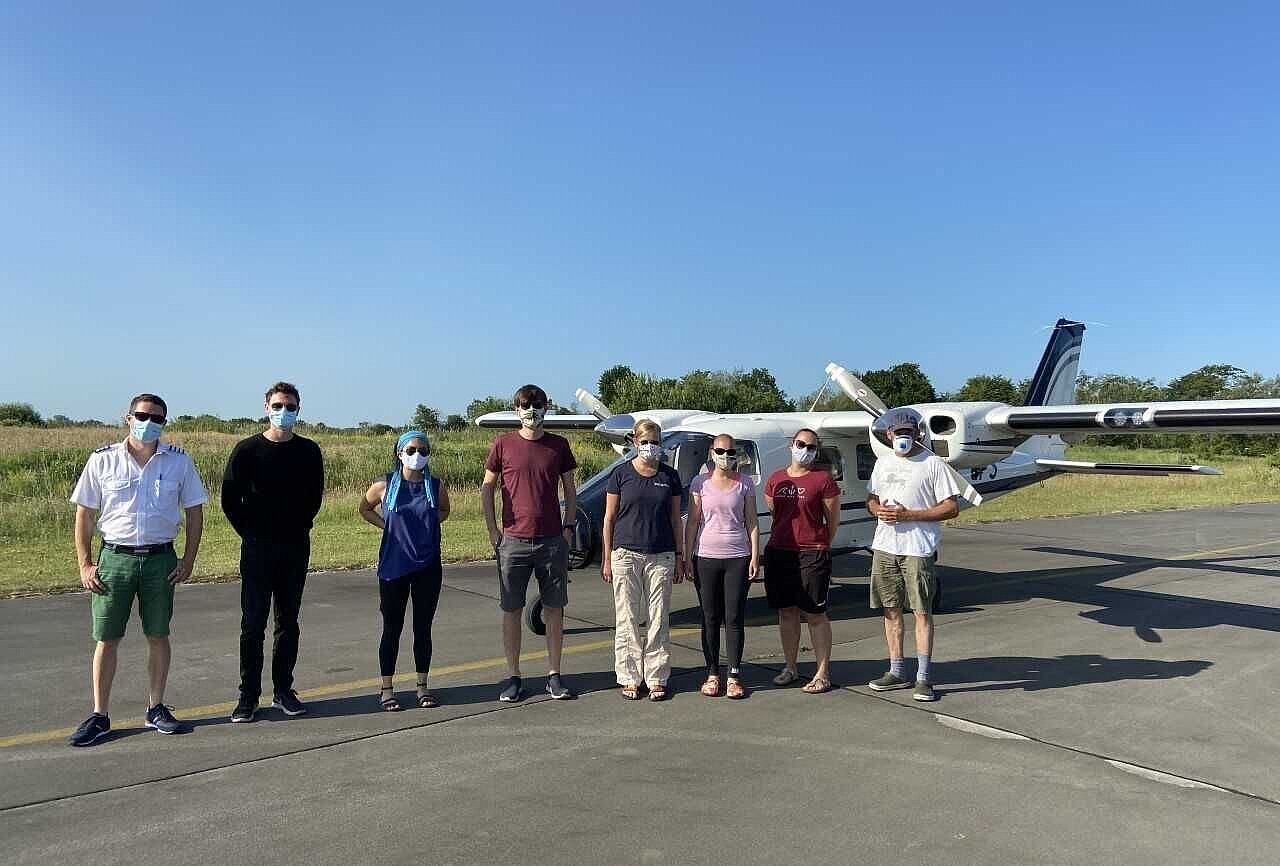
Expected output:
{"points": [[125, 576], [905, 582]]}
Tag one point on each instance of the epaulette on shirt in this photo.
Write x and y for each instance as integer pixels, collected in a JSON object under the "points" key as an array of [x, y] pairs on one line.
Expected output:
{"points": [[174, 449], [104, 448]]}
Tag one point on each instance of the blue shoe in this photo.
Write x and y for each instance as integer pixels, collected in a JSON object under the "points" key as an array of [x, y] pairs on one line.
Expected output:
{"points": [[91, 730], [511, 691], [558, 690], [161, 719]]}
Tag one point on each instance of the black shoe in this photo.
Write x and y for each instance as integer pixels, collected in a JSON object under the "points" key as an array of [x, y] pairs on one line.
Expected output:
{"points": [[161, 719], [888, 682], [91, 730], [558, 690], [245, 710], [924, 692], [511, 692], [288, 701]]}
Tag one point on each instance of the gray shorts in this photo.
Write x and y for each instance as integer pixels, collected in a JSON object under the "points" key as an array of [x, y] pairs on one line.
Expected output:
{"points": [[904, 582], [519, 558]]}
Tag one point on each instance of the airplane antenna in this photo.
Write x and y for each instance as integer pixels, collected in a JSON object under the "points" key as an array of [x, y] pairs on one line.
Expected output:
{"points": [[821, 391]]}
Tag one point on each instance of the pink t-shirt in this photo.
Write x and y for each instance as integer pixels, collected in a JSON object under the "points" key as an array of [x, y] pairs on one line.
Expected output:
{"points": [[723, 533]]}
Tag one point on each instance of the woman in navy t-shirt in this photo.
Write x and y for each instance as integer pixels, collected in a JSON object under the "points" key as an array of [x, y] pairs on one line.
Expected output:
{"points": [[642, 559], [413, 506]]}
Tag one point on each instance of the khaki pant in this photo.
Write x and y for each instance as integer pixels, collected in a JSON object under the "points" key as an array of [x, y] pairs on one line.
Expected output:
{"points": [[642, 591]]}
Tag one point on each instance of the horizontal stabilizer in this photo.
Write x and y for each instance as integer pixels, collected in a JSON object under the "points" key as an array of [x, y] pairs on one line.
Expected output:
{"points": [[1084, 467], [509, 421], [1201, 416]]}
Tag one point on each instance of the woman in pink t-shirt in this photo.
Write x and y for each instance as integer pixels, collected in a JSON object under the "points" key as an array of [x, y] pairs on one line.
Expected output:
{"points": [[722, 537]]}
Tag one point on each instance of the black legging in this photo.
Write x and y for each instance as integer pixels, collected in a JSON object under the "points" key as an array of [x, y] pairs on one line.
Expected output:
{"points": [[424, 586], [722, 591]]}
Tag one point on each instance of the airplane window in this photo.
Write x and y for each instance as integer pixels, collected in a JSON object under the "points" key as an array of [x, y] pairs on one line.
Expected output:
{"points": [[866, 462], [829, 460], [747, 461]]}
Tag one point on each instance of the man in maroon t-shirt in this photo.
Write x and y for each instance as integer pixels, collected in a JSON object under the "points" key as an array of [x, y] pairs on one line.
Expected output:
{"points": [[805, 505], [531, 466]]}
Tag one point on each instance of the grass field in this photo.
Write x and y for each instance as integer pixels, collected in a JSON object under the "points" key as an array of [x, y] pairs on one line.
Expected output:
{"points": [[38, 468]]}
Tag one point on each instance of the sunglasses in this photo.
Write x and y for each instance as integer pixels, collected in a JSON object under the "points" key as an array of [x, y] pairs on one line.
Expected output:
{"points": [[292, 407], [148, 416], [732, 452], [537, 404], [414, 449], [807, 446], [648, 442]]}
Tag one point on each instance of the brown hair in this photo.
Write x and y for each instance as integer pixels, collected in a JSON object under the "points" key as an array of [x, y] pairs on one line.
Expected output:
{"points": [[644, 425], [283, 388], [529, 394], [149, 398]]}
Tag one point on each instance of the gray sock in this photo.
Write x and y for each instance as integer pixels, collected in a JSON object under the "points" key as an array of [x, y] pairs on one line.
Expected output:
{"points": [[922, 669], [897, 667]]}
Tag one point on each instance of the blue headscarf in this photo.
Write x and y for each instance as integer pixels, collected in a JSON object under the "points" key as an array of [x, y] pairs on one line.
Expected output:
{"points": [[393, 483]]}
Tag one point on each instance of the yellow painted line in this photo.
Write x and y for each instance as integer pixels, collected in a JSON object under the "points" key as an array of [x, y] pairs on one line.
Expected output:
{"points": [[1202, 553], [334, 689]]}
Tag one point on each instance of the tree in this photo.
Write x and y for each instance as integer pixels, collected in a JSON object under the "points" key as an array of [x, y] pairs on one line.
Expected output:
{"points": [[484, 405], [732, 391], [425, 418], [901, 385], [1210, 382], [1115, 388], [19, 415], [610, 382], [989, 387], [455, 422]]}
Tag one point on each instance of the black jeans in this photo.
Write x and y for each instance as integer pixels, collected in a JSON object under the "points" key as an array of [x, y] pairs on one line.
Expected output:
{"points": [[424, 587], [272, 576], [722, 586]]}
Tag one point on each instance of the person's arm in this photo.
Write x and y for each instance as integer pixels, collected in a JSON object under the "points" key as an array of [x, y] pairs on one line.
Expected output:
{"points": [[691, 526], [442, 502], [944, 510], [487, 489], [831, 508], [606, 536], [677, 532], [873, 504], [195, 529], [752, 523], [314, 495], [85, 519], [570, 505], [235, 487], [371, 500]]}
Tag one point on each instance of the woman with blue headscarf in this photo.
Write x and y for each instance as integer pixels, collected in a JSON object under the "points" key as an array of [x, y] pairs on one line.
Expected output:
{"points": [[413, 506]]}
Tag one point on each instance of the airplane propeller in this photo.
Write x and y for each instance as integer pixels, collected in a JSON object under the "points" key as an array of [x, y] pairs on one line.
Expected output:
{"points": [[592, 404], [857, 390]]}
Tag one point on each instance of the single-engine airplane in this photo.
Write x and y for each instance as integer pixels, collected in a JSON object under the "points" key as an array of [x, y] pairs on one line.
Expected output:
{"points": [[998, 448]]}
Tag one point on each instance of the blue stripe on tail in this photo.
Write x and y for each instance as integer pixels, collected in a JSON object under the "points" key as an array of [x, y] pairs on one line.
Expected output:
{"points": [[1054, 383]]}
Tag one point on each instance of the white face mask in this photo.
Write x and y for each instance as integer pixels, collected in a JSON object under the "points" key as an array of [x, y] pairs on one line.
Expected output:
{"points": [[902, 445], [416, 462], [725, 461], [650, 452], [803, 456], [531, 417]]}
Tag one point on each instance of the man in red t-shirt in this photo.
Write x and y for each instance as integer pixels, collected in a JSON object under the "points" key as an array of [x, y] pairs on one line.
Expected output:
{"points": [[805, 504], [531, 466]]}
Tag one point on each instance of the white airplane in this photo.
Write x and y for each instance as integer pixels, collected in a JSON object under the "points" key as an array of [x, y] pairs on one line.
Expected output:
{"points": [[998, 447]]}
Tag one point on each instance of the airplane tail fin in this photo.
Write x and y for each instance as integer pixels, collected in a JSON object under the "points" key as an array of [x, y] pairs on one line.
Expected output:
{"points": [[1054, 383]]}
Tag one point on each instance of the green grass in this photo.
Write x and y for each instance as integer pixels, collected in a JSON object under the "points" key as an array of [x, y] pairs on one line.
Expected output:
{"points": [[38, 468]]}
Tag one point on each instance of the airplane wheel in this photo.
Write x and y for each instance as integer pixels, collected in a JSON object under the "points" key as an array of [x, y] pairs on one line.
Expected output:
{"points": [[533, 618], [580, 558]]}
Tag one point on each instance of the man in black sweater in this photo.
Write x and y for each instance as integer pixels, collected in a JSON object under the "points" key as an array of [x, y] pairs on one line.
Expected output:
{"points": [[271, 493]]}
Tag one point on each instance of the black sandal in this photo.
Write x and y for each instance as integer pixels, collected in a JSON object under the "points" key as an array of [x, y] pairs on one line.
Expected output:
{"points": [[426, 700], [389, 703]]}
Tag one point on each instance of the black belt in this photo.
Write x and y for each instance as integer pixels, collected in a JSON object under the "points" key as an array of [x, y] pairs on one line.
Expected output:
{"points": [[140, 550]]}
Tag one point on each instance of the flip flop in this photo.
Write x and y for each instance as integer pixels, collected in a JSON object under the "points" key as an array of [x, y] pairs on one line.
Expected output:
{"points": [[389, 703]]}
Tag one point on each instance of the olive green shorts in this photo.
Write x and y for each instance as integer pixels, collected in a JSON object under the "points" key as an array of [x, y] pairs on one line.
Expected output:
{"points": [[905, 582], [125, 576]]}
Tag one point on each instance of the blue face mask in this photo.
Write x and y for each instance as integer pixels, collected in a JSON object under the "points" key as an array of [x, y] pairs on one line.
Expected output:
{"points": [[145, 431], [282, 418]]}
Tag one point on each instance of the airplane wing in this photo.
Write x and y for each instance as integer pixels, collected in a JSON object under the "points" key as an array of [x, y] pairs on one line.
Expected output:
{"points": [[509, 421], [1084, 467], [1198, 416]]}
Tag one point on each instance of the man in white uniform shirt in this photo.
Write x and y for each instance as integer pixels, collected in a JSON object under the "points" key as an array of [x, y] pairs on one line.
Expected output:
{"points": [[136, 492], [911, 493]]}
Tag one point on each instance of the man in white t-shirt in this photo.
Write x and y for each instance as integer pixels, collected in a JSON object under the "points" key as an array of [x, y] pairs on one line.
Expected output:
{"points": [[911, 493]]}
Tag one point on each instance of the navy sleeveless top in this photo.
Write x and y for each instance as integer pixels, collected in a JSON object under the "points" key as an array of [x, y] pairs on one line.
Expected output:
{"points": [[411, 540]]}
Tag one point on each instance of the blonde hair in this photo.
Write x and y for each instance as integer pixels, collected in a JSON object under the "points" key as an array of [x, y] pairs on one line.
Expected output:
{"points": [[644, 425]]}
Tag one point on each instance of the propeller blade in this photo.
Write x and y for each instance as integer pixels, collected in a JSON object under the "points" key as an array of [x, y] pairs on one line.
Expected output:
{"points": [[856, 390], [592, 403]]}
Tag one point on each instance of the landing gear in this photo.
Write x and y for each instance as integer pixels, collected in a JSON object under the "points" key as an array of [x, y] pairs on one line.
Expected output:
{"points": [[533, 618]]}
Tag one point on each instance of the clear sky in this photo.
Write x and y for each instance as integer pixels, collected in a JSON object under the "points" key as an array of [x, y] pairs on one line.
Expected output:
{"points": [[396, 204]]}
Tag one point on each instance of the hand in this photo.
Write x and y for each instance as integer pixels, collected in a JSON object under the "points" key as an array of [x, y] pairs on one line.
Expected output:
{"points": [[495, 538], [568, 538], [678, 577], [90, 581], [606, 569], [180, 572], [892, 513], [753, 570]]}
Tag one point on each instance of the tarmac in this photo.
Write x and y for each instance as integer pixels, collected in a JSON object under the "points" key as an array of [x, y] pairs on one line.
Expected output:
{"points": [[1109, 689]]}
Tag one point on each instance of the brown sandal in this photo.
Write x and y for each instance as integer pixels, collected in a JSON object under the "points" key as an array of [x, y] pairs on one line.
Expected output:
{"points": [[658, 693], [631, 693], [711, 686], [816, 686], [736, 690]]}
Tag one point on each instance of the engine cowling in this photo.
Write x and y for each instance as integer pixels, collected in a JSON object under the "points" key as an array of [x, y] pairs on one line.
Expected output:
{"points": [[959, 434]]}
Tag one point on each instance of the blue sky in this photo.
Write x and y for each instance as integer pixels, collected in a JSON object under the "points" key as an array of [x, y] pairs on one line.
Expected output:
{"points": [[420, 205]]}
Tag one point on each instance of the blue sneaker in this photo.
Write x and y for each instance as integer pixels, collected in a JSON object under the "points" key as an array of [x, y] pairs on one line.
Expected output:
{"points": [[161, 719], [558, 690], [91, 730], [512, 691]]}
